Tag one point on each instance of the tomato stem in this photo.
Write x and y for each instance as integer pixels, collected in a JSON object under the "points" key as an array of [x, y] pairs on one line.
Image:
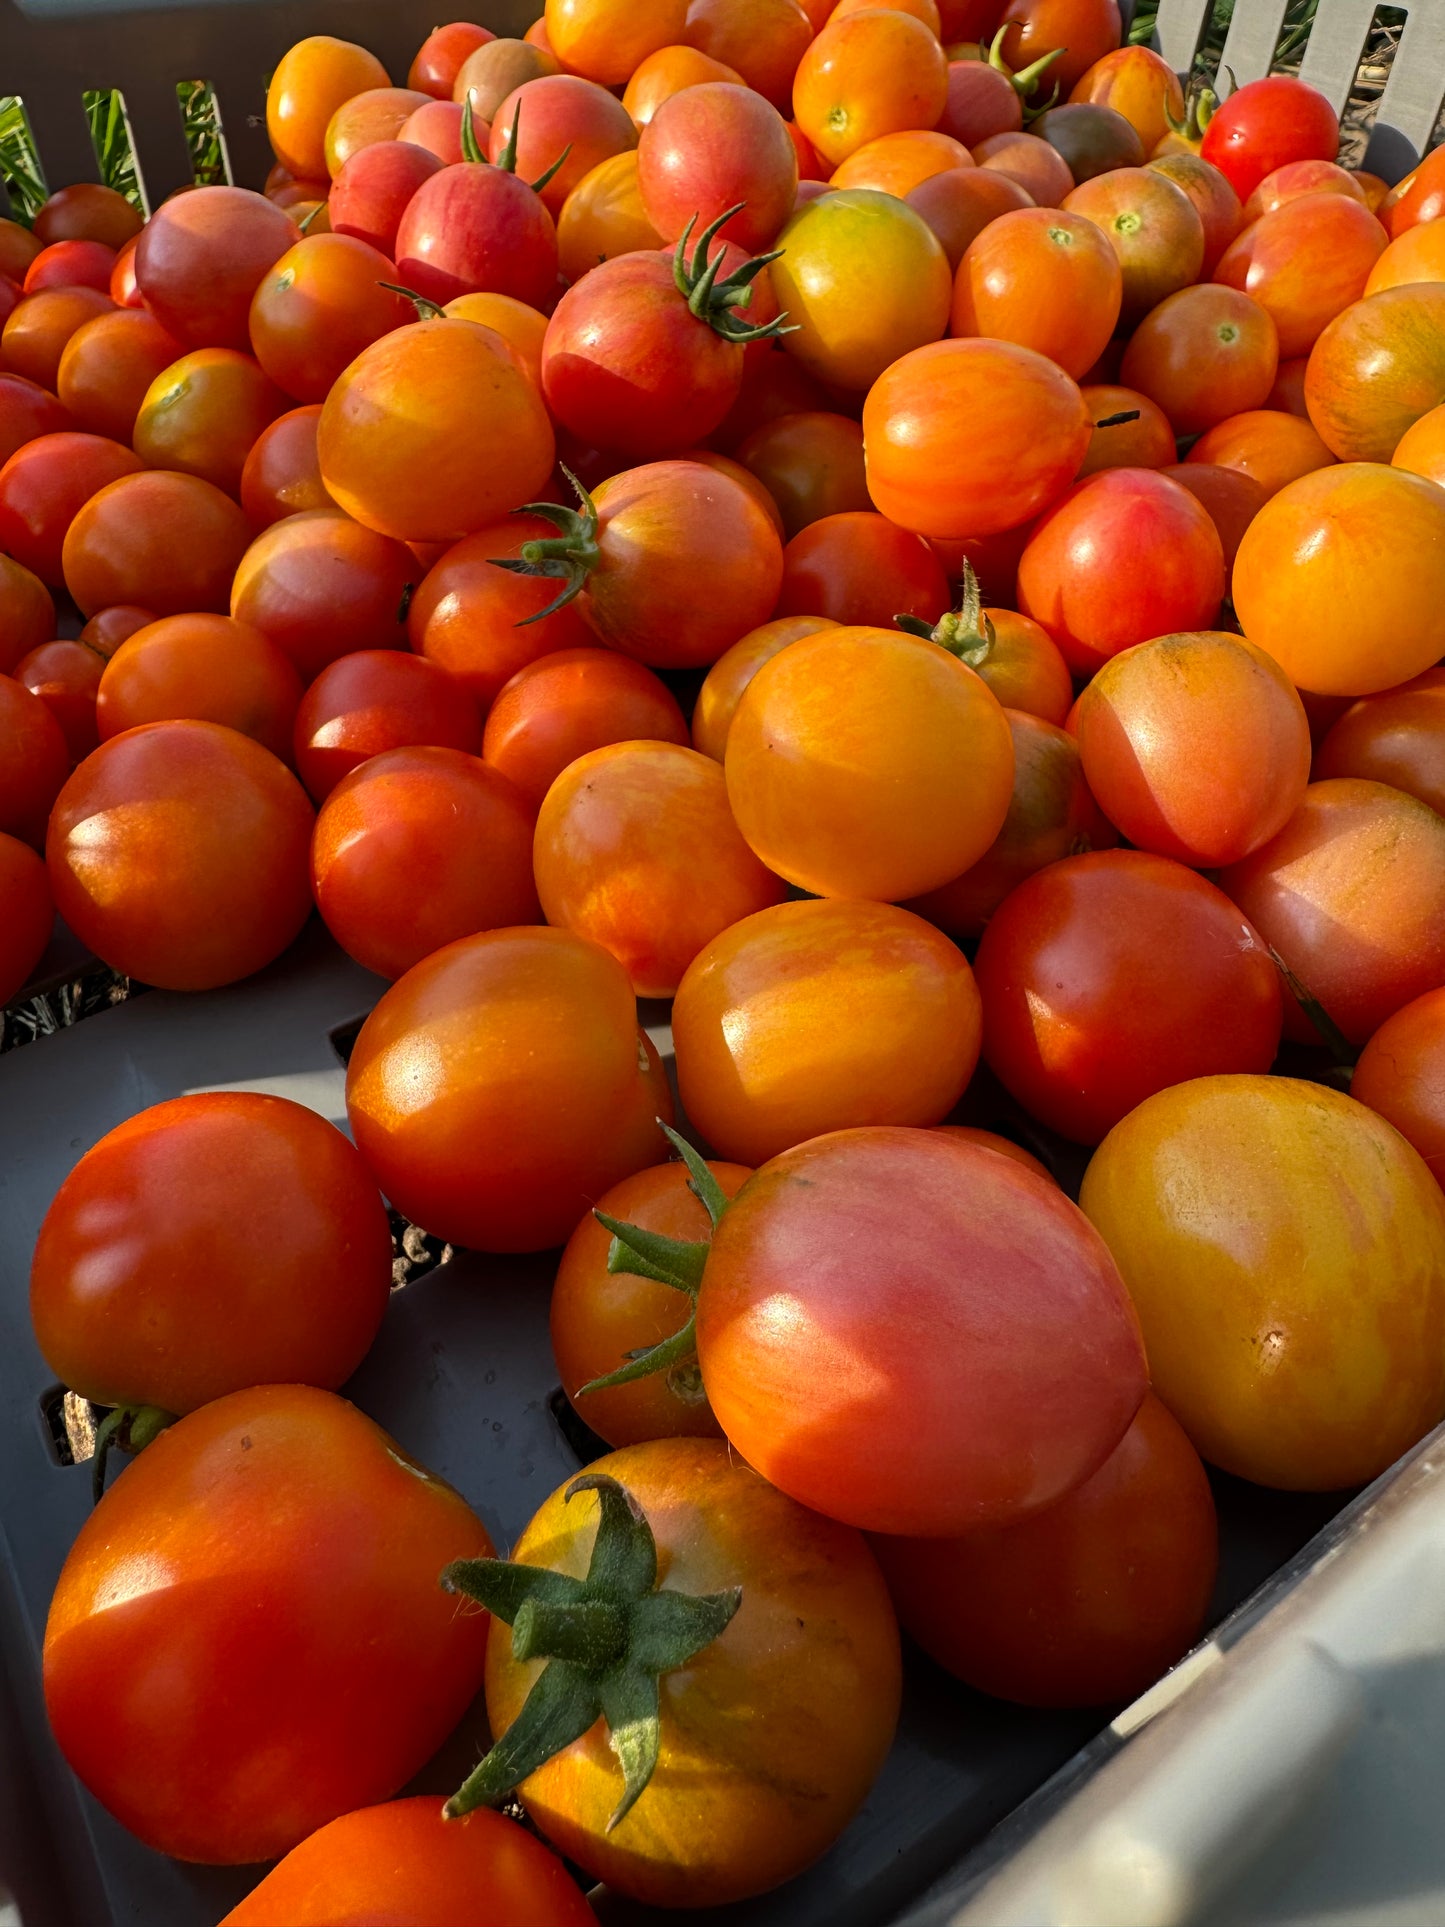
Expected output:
{"points": [[966, 632], [569, 557], [132, 1428], [1025, 81], [426, 308], [607, 1640], [716, 302]]}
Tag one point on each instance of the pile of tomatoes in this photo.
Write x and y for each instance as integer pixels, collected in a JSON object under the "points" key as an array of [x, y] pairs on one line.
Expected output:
{"points": [[885, 525]]}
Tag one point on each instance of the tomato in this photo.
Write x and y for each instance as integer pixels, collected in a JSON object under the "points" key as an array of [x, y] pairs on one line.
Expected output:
{"points": [[375, 114], [1204, 354], [318, 307], [439, 57], [1084, 1604], [1309, 589], [438, 127], [204, 414], [862, 280], [1351, 893], [313, 78], [545, 1091], [480, 622], [602, 217], [959, 203], [709, 148], [35, 335], [108, 364], [860, 568], [371, 193], [152, 1207], [1399, 1076], [1286, 1253], [1137, 83], [1144, 439], [1288, 393], [29, 915], [607, 39], [982, 100], [284, 1641], [864, 77], [764, 40], [668, 71], [564, 122], [178, 853], [70, 264], [66, 676], [1196, 746], [86, 212], [1415, 256], [491, 72], [1376, 370], [479, 1871], [991, 1141], [34, 762], [1215, 201], [774, 383], [1297, 178], [201, 257], [1048, 281], [18, 248], [1079, 577], [801, 1651], [1030, 162], [896, 163], [1093, 140], [320, 585], [43, 487], [434, 431], [1305, 263], [27, 613], [637, 850], [1396, 738], [972, 437], [421, 810], [523, 329], [571, 701], [811, 464], [1231, 498], [880, 1238], [1266, 123], [203, 668], [1110, 976], [600, 1316], [1085, 29], [109, 628], [477, 228], [730, 675], [1274, 448], [373, 700], [1415, 200], [282, 475], [1152, 226], [26, 411], [1051, 815], [1022, 666], [908, 807]]}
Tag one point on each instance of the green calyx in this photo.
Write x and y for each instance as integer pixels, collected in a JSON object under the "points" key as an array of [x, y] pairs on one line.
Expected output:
{"points": [[568, 557], [426, 308], [671, 1261], [966, 632], [606, 1639], [715, 301], [1200, 105], [131, 1428], [1025, 82], [507, 159]]}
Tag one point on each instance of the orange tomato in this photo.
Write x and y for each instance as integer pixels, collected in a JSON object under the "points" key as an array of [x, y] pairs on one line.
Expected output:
{"points": [[896, 163], [1275, 448], [924, 10], [1145, 442], [375, 114], [606, 40], [108, 364], [1421, 448], [1377, 369], [35, 336], [1152, 226], [1312, 588], [1049, 281], [162, 541], [318, 307], [764, 1061], [763, 39], [1416, 255], [1417, 199], [86, 212], [1204, 354], [65, 676], [1137, 83], [1296, 178], [204, 414], [434, 431], [668, 71], [811, 465], [602, 217], [311, 80], [201, 668], [1085, 29], [730, 675], [1401, 1075], [1306, 263], [878, 72], [972, 437], [846, 765]]}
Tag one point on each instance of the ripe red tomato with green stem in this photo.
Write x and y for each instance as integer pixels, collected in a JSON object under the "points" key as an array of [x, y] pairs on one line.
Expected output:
{"points": [[572, 126]]}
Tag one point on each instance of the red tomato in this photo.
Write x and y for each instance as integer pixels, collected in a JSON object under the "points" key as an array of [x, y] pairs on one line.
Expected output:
{"points": [[284, 1640], [421, 812], [26, 411], [440, 55], [1266, 123], [43, 487], [876, 1240], [34, 761], [959, 203], [860, 568], [87, 212], [178, 852], [1204, 354], [35, 335], [485, 1154], [373, 700], [71, 264], [477, 228], [1085, 29], [320, 585], [109, 628], [1215, 201], [66, 676], [1231, 497], [559, 122], [153, 1207], [1125, 556], [27, 613], [28, 914], [1106, 978], [1396, 738], [706, 150], [480, 1871], [372, 191], [282, 474], [201, 668], [566, 703], [108, 365], [1305, 263], [156, 540], [1084, 1604], [1401, 1075], [200, 259]]}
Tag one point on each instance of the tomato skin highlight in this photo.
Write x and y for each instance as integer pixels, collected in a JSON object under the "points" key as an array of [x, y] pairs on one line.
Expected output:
{"points": [[253, 1607]]}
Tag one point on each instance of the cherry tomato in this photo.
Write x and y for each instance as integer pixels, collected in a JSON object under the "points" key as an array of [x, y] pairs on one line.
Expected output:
{"points": [[284, 1642], [860, 568], [879, 1238], [29, 915], [320, 586], [34, 762], [108, 628], [1215, 201], [774, 383], [27, 613], [440, 55], [178, 852], [66, 676], [1272, 447], [1285, 1250], [107, 366], [1415, 256], [896, 163], [730, 675], [606, 39], [1144, 439], [603, 217], [1305, 263], [1399, 1076], [313, 78], [1231, 498], [87, 212], [1376, 370], [1153, 228], [1137, 83], [1046, 280], [26, 411], [1031, 163], [569, 702], [483, 1156], [158, 540], [710, 147], [959, 203], [477, 228], [1397, 738], [201, 668], [43, 487], [1085, 29], [864, 77], [1204, 354], [201, 256], [316, 309], [524, 329], [203, 415], [991, 1141], [1266, 123], [764, 40], [1309, 589], [18, 248], [491, 72], [372, 191], [70, 264], [600, 1316], [373, 700], [1416, 199], [667, 72], [564, 122], [1297, 178], [438, 128], [35, 335], [1092, 140], [375, 114], [282, 475]]}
